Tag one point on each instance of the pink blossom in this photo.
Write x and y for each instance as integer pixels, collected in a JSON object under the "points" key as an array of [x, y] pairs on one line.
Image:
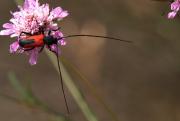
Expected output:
{"points": [[29, 18], [175, 6]]}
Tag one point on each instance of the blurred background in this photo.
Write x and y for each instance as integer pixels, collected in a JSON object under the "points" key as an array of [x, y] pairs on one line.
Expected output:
{"points": [[139, 81]]}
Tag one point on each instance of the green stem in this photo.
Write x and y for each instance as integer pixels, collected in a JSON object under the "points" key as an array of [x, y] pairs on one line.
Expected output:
{"points": [[91, 88], [77, 95]]}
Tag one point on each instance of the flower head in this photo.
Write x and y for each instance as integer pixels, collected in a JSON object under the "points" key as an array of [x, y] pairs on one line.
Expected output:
{"points": [[175, 6], [29, 19]]}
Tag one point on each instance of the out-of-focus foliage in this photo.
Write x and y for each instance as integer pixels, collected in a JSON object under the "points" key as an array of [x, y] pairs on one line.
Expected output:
{"points": [[27, 98]]}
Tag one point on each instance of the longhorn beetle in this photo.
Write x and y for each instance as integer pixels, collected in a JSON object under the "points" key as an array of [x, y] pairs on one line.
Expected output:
{"points": [[40, 39]]}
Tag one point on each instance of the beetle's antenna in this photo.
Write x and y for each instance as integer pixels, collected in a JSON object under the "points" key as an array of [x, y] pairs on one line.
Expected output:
{"points": [[62, 84], [89, 35], [95, 36]]}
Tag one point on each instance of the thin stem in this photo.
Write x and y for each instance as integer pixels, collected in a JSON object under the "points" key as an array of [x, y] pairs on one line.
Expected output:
{"points": [[62, 84], [91, 87], [74, 90], [95, 36]]}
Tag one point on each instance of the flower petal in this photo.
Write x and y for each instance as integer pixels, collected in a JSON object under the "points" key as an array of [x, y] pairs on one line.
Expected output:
{"points": [[54, 48], [171, 15], [59, 34], [14, 35], [175, 5], [6, 32], [57, 13], [8, 26], [46, 10], [14, 47], [63, 14], [29, 3], [33, 56], [62, 42]]}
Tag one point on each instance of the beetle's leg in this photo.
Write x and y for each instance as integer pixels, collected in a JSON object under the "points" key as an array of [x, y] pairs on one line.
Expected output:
{"points": [[29, 49], [41, 49], [49, 33], [50, 49], [41, 30], [25, 33], [29, 34]]}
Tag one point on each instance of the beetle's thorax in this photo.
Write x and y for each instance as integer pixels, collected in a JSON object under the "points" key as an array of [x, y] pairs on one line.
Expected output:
{"points": [[49, 40]]}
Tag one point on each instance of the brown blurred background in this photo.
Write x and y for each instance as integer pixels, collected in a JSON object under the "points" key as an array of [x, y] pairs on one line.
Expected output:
{"points": [[140, 81]]}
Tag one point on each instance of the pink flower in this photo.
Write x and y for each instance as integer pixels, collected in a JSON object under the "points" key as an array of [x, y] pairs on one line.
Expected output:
{"points": [[175, 6], [30, 18]]}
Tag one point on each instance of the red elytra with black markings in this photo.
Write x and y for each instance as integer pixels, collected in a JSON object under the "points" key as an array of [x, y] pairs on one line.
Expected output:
{"points": [[32, 41], [37, 40]]}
